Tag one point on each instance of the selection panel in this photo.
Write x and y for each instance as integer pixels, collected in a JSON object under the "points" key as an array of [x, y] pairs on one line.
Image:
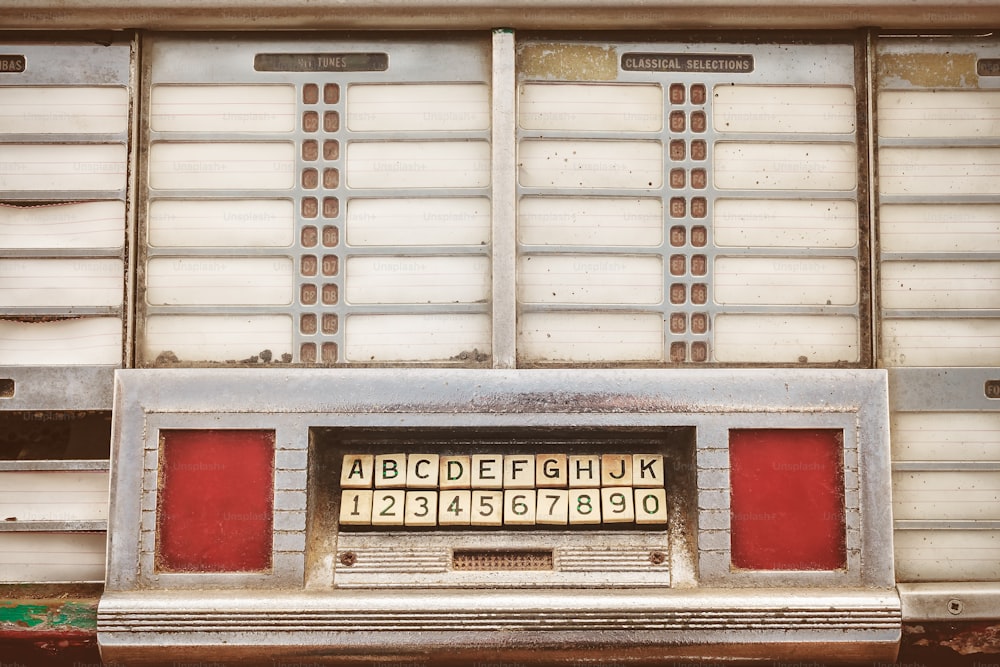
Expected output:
{"points": [[317, 202], [65, 120], [686, 203]]}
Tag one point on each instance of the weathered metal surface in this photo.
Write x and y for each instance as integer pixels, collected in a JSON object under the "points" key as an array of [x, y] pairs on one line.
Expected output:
{"points": [[298, 609], [608, 14]]}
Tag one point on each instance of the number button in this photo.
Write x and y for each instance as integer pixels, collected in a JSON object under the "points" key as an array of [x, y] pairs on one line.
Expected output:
{"points": [[455, 508], [487, 508], [617, 505], [650, 506], [585, 506], [388, 508], [519, 507], [421, 508], [356, 508], [552, 507]]}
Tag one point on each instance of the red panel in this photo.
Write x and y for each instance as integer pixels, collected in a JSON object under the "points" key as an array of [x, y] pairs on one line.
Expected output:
{"points": [[215, 501], [787, 503]]}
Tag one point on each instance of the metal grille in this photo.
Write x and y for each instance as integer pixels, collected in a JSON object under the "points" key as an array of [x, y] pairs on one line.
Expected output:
{"points": [[502, 560]]}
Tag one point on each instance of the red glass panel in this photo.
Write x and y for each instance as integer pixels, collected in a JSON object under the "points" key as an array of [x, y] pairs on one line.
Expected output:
{"points": [[215, 501], [787, 502]]}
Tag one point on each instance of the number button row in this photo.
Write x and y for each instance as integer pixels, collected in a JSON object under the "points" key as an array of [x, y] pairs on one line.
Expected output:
{"points": [[511, 507]]}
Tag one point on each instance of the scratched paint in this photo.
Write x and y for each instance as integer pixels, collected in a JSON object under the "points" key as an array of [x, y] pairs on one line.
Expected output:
{"points": [[568, 62], [48, 616], [929, 70]]}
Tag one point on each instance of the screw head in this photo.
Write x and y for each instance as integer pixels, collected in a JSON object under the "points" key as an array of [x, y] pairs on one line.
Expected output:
{"points": [[955, 607], [348, 558], [657, 558]]}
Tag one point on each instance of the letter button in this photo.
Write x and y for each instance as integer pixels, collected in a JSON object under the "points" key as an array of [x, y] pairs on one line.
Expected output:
{"points": [[519, 471], [487, 471], [647, 470], [390, 471], [550, 470], [455, 472], [356, 472], [585, 471], [616, 470], [422, 471]]}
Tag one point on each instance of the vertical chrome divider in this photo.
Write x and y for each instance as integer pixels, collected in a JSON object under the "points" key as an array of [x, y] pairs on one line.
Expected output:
{"points": [[874, 301], [504, 175], [129, 313]]}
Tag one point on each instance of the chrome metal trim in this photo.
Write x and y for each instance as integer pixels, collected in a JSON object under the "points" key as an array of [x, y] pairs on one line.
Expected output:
{"points": [[950, 601], [465, 14]]}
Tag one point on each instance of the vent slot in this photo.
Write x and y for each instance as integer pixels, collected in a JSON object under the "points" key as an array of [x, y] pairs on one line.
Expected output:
{"points": [[490, 559]]}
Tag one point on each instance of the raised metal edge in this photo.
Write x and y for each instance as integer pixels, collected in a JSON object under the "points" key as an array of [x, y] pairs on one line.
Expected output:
{"points": [[549, 626], [53, 526], [504, 201], [410, 14], [86, 465], [950, 601], [58, 387], [473, 391]]}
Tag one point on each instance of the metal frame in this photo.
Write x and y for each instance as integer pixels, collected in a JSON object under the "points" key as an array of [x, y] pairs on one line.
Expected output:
{"points": [[179, 59], [818, 62], [139, 614]]}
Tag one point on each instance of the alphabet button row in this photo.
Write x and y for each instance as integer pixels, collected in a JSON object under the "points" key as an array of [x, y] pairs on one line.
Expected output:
{"points": [[511, 507], [496, 471]]}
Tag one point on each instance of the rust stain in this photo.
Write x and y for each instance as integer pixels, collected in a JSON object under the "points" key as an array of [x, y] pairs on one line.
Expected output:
{"points": [[568, 62], [929, 70]]}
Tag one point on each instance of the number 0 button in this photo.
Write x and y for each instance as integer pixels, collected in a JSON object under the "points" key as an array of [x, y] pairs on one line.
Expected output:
{"points": [[650, 506]]}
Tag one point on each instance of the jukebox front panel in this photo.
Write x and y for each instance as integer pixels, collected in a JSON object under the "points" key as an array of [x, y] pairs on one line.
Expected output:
{"points": [[341, 514]]}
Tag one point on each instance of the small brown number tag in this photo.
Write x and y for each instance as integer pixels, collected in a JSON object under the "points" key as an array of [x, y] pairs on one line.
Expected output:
{"points": [[992, 389]]}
